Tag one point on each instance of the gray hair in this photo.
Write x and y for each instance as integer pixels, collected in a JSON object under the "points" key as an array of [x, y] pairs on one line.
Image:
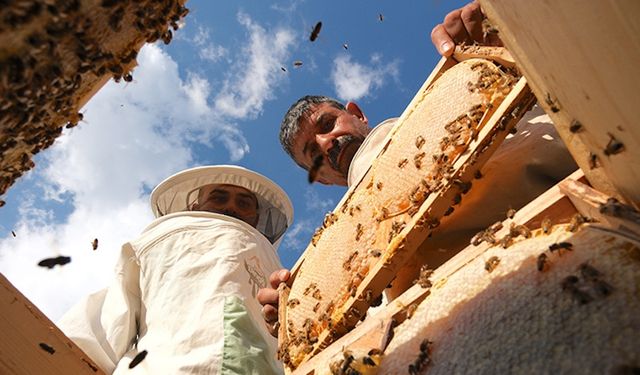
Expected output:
{"points": [[290, 125]]}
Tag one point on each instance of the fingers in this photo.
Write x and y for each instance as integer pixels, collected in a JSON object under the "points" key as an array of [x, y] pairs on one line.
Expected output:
{"points": [[270, 315], [442, 40], [268, 296], [455, 27], [472, 17], [279, 276]]}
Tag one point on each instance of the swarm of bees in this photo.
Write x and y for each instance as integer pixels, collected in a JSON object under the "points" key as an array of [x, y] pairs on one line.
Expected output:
{"points": [[59, 52]]}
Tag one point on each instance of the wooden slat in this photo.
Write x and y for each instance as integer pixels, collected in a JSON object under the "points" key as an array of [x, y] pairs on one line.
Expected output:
{"points": [[581, 60], [553, 204], [32, 344]]}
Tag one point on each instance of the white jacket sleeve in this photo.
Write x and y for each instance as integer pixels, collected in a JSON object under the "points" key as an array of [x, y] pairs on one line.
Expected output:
{"points": [[104, 324]]}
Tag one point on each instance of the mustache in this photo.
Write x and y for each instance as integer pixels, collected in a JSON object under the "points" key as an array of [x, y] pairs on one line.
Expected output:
{"points": [[338, 145]]}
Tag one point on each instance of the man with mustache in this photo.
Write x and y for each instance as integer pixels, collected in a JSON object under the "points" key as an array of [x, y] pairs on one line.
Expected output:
{"points": [[335, 144]]}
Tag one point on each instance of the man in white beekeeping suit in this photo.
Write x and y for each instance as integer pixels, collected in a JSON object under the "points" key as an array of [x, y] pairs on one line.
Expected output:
{"points": [[184, 294]]}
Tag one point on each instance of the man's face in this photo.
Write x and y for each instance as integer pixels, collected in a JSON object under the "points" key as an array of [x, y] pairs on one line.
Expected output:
{"points": [[332, 134], [228, 200]]}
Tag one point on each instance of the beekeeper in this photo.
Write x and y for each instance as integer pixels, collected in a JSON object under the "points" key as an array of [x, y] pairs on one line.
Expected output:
{"points": [[185, 290]]}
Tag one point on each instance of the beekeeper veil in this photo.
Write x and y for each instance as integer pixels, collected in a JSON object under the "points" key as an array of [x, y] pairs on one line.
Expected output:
{"points": [[178, 192]]}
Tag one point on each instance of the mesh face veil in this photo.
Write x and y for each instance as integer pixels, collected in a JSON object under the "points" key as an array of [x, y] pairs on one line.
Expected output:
{"points": [[178, 192]]}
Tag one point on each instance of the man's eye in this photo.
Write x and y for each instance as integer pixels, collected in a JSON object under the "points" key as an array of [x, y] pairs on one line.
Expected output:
{"points": [[326, 126]]}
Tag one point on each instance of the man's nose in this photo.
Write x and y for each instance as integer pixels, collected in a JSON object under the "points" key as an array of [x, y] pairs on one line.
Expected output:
{"points": [[325, 141]]}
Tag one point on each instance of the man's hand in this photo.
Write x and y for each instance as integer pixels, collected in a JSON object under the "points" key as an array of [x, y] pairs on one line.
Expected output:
{"points": [[463, 25], [268, 298]]}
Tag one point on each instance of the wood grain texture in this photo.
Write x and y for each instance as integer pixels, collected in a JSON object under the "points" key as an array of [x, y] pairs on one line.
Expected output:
{"points": [[32, 344], [581, 59]]}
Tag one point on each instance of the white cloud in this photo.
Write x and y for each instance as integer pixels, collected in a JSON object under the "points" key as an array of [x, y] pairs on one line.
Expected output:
{"points": [[353, 81], [314, 203], [134, 136], [257, 71], [212, 53], [298, 236]]}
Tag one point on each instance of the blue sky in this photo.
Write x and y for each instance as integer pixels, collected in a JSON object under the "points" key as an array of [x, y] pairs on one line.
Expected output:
{"points": [[215, 95]]}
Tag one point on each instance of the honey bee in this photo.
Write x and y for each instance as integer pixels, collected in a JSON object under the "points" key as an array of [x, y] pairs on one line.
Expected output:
{"points": [[546, 225], [47, 348], [402, 163], [94, 244], [457, 199], [293, 303], [616, 209], [542, 262], [166, 37], [316, 236], [380, 17], [317, 295], [419, 142], [411, 310], [379, 185], [310, 288], [359, 231], [511, 213], [417, 160], [575, 127], [593, 160], [424, 277], [523, 231], [347, 263], [297, 63], [614, 146], [127, 77], [449, 211], [559, 246], [315, 32], [477, 174], [576, 221], [552, 104], [345, 46], [13, 233], [375, 253], [506, 241], [491, 264], [137, 359], [316, 307]]}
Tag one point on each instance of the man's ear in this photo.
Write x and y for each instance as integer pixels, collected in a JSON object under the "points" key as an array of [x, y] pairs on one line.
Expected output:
{"points": [[356, 111]]}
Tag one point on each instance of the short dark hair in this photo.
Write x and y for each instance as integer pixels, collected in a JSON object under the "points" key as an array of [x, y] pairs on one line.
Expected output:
{"points": [[290, 125]]}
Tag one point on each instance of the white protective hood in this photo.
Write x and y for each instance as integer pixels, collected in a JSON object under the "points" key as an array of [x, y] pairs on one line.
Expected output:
{"points": [[178, 192]]}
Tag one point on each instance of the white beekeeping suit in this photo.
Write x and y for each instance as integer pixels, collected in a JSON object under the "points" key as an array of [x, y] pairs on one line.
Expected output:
{"points": [[185, 289]]}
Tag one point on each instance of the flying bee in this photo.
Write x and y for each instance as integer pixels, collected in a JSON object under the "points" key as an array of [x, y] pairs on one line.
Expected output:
{"points": [[293, 303], [542, 262], [575, 127], [94, 244], [559, 246], [491, 264], [47, 348], [345, 46], [380, 17], [137, 359], [13, 233], [315, 32], [297, 63], [613, 147]]}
